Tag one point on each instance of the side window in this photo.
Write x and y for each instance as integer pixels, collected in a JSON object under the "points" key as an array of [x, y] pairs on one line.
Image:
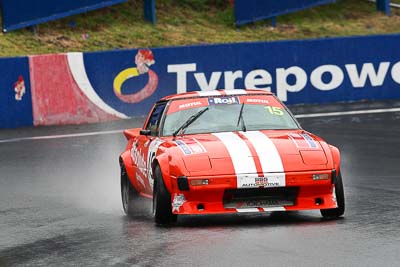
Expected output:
{"points": [[155, 118]]}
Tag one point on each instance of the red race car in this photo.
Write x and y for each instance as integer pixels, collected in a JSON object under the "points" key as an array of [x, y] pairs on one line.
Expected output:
{"points": [[228, 151]]}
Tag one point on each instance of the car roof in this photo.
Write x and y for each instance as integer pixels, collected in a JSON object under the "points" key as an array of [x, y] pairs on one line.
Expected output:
{"points": [[195, 94]]}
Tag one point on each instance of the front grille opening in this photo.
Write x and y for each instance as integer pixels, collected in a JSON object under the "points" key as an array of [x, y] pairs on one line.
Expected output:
{"points": [[260, 197]]}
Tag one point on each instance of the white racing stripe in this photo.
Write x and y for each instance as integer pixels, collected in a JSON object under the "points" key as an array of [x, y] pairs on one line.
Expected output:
{"points": [[248, 210], [267, 152], [77, 68], [263, 209], [239, 152], [274, 209], [243, 160], [269, 157], [220, 92], [209, 93], [235, 92]]}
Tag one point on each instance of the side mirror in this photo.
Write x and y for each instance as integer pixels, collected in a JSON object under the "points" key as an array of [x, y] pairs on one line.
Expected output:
{"points": [[145, 132]]}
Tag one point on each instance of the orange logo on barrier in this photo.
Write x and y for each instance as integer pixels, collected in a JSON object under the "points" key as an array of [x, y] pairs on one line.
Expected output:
{"points": [[143, 60]]}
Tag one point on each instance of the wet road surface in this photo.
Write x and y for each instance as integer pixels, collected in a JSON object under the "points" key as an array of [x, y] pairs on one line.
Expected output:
{"points": [[60, 205]]}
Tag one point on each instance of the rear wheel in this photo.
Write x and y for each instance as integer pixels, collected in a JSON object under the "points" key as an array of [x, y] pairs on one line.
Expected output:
{"points": [[129, 194], [339, 194], [162, 208]]}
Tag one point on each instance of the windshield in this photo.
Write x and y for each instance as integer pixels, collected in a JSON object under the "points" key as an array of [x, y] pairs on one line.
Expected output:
{"points": [[225, 114]]}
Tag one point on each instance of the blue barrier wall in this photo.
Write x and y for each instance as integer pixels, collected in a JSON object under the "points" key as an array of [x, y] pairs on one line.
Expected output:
{"points": [[311, 71], [22, 13], [15, 107], [118, 84], [247, 11]]}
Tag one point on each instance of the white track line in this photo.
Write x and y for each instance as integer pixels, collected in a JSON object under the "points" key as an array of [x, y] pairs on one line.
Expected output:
{"points": [[315, 115], [343, 113], [47, 137]]}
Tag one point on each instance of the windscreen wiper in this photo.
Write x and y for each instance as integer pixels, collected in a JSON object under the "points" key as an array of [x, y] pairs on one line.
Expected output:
{"points": [[190, 121], [240, 119]]}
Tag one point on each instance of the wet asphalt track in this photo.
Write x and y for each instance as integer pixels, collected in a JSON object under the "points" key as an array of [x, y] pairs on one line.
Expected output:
{"points": [[60, 205]]}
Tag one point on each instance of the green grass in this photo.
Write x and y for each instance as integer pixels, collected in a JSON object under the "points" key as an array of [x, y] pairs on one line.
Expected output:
{"points": [[184, 22]]}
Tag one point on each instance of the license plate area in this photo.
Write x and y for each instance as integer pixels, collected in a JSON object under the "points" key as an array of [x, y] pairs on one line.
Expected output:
{"points": [[266, 181], [260, 197]]}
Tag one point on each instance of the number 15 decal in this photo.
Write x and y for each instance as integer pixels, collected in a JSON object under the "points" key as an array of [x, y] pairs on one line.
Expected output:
{"points": [[274, 110]]}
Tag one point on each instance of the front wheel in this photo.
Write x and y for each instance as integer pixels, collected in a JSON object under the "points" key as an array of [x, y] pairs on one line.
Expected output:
{"points": [[162, 208], [339, 194]]}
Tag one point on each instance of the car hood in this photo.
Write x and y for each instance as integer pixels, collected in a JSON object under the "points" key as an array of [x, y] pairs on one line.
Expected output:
{"points": [[251, 152]]}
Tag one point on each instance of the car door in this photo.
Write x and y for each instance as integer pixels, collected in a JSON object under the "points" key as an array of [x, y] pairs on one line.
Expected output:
{"points": [[145, 148]]}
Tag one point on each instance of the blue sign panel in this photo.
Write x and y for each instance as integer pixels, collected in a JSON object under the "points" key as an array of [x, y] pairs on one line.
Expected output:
{"points": [[247, 11], [21, 13], [311, 71], [15, 93], [120, 84]]}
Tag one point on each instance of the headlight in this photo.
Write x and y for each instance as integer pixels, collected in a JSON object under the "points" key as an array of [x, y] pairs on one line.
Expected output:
{"points": [[199, 182]]}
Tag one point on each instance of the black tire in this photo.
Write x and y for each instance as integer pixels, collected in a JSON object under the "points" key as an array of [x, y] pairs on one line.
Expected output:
{"points": [[339, 191], [129, 195], [162, 208]]}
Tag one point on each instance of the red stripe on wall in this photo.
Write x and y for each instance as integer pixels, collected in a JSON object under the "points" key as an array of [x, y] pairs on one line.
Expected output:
{"points": [[56, 98]]}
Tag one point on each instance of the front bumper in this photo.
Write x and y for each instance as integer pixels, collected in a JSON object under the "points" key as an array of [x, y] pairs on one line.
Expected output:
{"points": [[222, 195]]}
